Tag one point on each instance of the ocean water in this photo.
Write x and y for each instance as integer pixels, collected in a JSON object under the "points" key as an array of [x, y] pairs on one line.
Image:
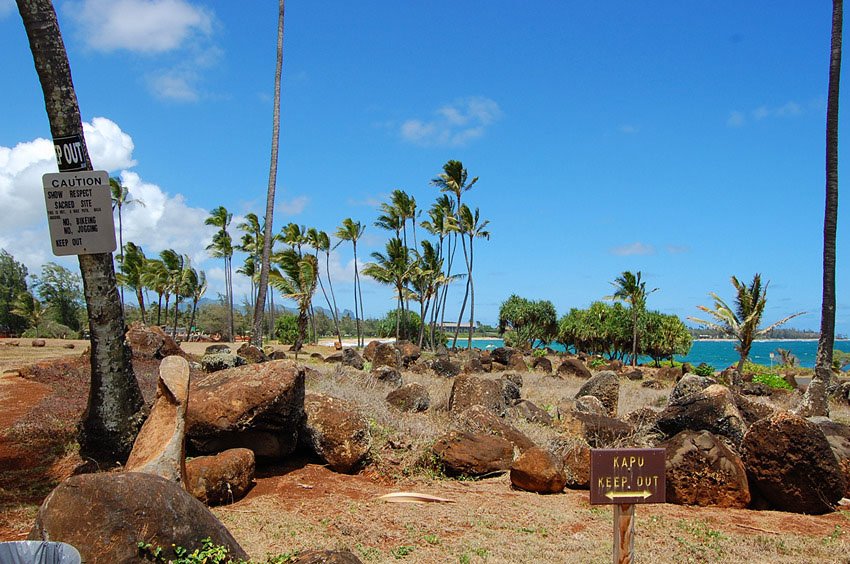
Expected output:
{"points": [[718, 354]]}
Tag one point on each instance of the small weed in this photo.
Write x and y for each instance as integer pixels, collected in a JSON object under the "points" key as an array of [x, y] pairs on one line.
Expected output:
{"points": [[464, 559], [836, 534], [402, 551], [431, 539], [368, 552]]}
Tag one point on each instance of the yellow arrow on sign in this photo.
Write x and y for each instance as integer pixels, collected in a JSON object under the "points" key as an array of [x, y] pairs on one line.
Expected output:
{"points": [[614, 495]]}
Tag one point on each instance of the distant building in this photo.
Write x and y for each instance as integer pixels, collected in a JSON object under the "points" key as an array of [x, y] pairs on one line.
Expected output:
{"points": [[449, 326]]}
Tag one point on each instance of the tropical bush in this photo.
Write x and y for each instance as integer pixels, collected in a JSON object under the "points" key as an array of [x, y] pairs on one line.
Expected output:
{"points": [[409, 324], [522, 321], [772, 380], [704, 369], [286, 329]]}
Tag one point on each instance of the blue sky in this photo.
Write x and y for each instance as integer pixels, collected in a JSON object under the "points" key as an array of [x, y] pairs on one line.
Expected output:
{"points": [[682, 139]]}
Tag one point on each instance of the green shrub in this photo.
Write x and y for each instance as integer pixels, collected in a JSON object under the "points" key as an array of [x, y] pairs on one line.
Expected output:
{"points": [[772, 380], [704, 370], [597, 363], [538, 353], [286, 329]]}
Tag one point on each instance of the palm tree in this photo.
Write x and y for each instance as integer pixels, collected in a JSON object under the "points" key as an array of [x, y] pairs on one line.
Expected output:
{"points": [[425, 280], [442, 224], [155, 277], [174, 264], [132, 273], [393, 269], [630, 289], [352, 231], [297, 281], [222, 247], [196, 287], [743, 321], [265, 261], [471, 227], [27, 306], [121, 197], [814, 401], [252, 244], [320, 241]]}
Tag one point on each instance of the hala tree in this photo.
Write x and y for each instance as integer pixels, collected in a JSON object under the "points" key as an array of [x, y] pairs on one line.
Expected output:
{"points": [[630, 289], [524, 322], [13, 282]]}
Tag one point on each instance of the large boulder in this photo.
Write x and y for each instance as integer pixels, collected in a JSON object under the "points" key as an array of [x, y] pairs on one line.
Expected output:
{"points": [[701, 470], [336, 432], [712, 409], [150, 342], [410, 397], [517, 362], [687, 385], [259, 406], [479, 419], [503, 355], [511, 384], [574, 367], [106, 515], [213, 362], [352, 358], [473, 454], [838, 436], [529, 411], [386, 355], [326, 557], [790, 464], [541, 364], [369, 350], [470, 390], [669, 373], [538, 470], [605, 386], [409, 352], [160, 447], [387, 375], [598, 431], [576, 465], [590, 404], [252, 354], [223, 478], [443, 366]]}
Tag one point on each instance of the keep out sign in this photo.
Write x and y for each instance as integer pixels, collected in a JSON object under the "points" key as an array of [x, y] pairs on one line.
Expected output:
{"points": [[625, 476]]}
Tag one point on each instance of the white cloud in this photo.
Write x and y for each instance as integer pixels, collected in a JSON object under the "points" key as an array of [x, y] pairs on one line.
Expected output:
{"points": [[175, 84], [677, 249], [789, 109], [147, 26], [292, 207], [165, 220], [636, 248], [454, 124]]}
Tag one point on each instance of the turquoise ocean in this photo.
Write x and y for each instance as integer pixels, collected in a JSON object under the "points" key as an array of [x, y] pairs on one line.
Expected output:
{"points": [[719, 354]]}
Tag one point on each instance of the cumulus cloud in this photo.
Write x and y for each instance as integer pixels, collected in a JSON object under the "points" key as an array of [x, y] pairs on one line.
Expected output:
{"points": [[636, 248], [146, 26], [292, 207], [738, 118], [174, 84], [454, 124], [164, 221], [677, 249]]}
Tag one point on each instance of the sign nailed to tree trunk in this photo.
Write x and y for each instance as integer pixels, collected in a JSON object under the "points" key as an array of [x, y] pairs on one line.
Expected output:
{"points": [[79, 212], [69, 153]]}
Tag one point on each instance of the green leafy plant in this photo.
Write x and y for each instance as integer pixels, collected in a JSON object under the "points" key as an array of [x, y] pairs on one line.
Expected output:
{"points": [[704, 369], [402, 551], [772, 380], [597, 363], [538, 353]]}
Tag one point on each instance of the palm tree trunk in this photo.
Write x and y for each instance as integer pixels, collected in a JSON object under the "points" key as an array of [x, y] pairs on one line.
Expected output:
{"points": [[471, 298], [121, 251], [356, 292], [141, 300], [229, 281], [634, 337], [466, 292], [333, 297], [114, 411]]}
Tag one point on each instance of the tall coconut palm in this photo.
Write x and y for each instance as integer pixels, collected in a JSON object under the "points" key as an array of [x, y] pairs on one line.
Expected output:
{"points": [[472, 227], [629, 288], [814, 401], [196, 285], [155, 277], [297, 281], [393, 269], [265, 261], [425, 281], [222, 247], [390, 219], [114, 412], [742, 322], [120, 196], [252, 245], [174, 264], [441, 223], [352, 231], [320, 241], [132, 273]]}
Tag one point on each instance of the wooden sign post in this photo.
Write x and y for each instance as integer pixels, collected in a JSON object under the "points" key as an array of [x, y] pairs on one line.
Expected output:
{"points": [[624, 477]]}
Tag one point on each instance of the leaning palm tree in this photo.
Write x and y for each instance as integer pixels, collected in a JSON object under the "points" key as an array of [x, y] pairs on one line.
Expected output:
{"points": [[742, 322], [120, 196], [472, 227], [629, 288], [132, 273], [252, 245], [814, 401], [196, 287], [425, 282], [222, 247], [320, 241], [352, 231], [265, 258], [393, 269], [155, 277], [297, 281]]}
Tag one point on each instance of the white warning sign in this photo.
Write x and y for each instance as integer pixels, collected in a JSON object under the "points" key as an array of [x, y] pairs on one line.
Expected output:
{"points": [[79, 212]]}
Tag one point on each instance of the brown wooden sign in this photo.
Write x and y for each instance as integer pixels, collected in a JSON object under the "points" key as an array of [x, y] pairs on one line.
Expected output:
{"points": [[624, 476]]}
